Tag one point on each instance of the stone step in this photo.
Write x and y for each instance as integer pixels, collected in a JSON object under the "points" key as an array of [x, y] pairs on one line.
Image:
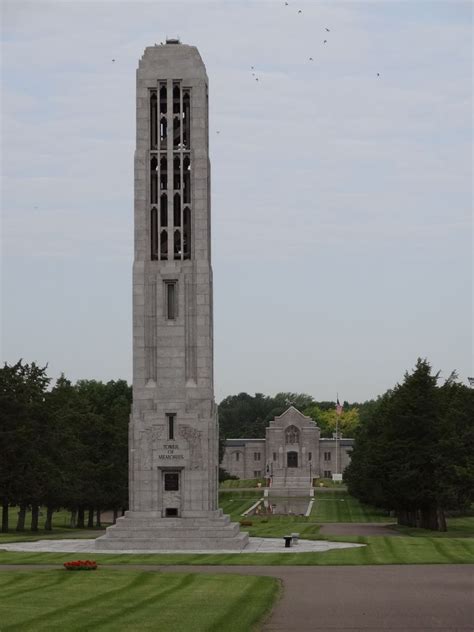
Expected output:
{"points": [[292, 478], [278, 490], [174, 523], [204, 515], [130, 531], [289, 491], [304, 484], [291, 481], [236, 543]]}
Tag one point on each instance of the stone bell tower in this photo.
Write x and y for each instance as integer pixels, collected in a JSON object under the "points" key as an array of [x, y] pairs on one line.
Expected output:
{"points": [[173, 441]]}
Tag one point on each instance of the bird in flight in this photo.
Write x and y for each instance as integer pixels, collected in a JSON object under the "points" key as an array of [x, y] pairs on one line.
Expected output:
{"points": [[327, 30], [325, 42], [300, 11], [311, 59], [113, 60], [378, 74], [218, 132]]}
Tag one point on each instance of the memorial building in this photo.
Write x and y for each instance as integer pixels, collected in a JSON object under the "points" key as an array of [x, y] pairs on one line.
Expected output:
{"points": [[291, 455]]}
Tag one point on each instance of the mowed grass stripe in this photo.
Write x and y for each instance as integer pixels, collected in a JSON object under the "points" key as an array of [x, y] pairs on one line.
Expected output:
{"points": [[394, 551], [130, 611], [256, 592], [7, 582], [338, 506], [440, 546], [73, 588], [235, 506], [16, 590], [466, 548], [407, 551], [106, 600]]}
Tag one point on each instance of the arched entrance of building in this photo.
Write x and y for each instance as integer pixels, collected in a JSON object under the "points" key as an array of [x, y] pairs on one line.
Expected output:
{"points": [[292, 459]]}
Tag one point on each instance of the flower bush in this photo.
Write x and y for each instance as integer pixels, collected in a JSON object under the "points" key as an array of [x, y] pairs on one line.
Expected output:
{"points": [[81, 565]]}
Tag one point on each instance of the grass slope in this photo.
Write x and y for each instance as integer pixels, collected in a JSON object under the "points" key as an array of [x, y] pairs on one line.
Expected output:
{"points": [[107, 600], [235, 503], [338, 506]]}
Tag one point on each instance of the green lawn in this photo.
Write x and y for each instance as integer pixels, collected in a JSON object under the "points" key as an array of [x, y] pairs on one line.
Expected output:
{"points": [[414, 546], [266, 526], [461, 527], [329, 506], [127, 600], [278, 526], [56, 534], [379, 550], [61, 528], [235, 503], [338, 506]]}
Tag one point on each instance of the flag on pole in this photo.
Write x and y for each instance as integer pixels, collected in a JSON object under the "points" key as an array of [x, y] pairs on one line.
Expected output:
{"points": [[338, 407]]}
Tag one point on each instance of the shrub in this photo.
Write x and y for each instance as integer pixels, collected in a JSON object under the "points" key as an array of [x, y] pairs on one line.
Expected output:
{"points": [[81, 565], [225, 476]]}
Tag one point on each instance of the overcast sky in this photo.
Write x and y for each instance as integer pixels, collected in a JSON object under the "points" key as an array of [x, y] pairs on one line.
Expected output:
{"points": [[341, 200]]}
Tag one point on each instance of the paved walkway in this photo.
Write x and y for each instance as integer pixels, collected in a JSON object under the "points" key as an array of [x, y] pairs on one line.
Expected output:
{"points": [[255, 545], [421, 598]]}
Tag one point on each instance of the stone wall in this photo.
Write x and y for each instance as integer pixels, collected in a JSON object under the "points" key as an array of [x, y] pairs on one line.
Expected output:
{"points": [[245, 458]]}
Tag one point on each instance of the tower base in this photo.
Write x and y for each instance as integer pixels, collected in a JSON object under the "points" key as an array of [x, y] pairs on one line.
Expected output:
{"points": [[149, 531]]}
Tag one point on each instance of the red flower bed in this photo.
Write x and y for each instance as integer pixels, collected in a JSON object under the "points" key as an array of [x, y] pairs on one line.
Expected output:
{"points": [[81, 565]]}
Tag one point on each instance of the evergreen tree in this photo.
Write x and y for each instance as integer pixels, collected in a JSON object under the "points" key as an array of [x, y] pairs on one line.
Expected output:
{"points": [[22, 423], [414, 450]]}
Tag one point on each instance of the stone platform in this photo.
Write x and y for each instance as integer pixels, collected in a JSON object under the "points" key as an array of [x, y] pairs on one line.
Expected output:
{"points": [[255, 545], [149, 531], [289, 486], [289, 492]]}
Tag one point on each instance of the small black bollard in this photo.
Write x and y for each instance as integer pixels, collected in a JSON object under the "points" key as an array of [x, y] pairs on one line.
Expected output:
{"points": [[287, 539]]}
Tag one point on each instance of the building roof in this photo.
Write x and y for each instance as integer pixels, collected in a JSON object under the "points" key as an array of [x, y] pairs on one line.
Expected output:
{"points": [[241, 441]]}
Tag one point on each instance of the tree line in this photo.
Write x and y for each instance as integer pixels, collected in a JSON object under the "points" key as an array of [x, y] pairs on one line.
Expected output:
{"points": [[414, 450], [63, 446], [248, 416]]}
